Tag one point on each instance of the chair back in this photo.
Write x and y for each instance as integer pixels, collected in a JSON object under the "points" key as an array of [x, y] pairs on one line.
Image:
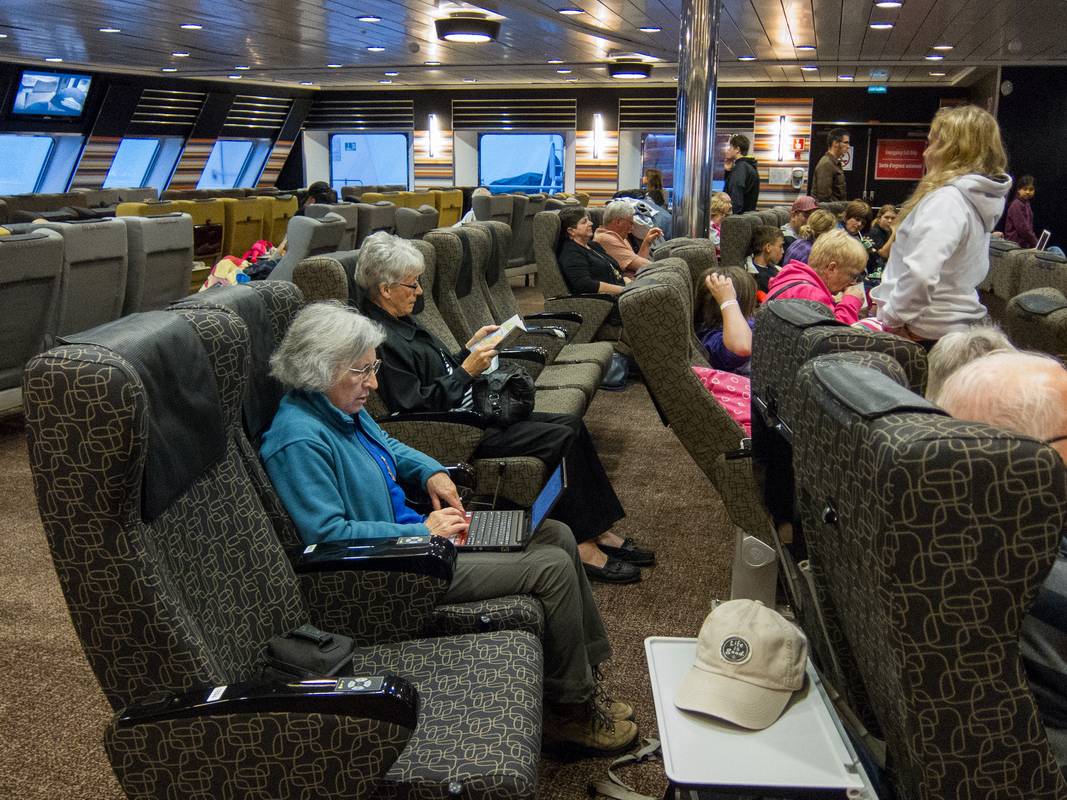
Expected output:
{"points": [[449, 205], [546, 235], [31, 294], [1041, 270], [379, 216], [347, 211], [1037, 320], [244, 225], [521, 236], [492, 207], [495, 285], [160, 251], [461, 253], [412, 223], [735, 236], [699, 256], [97, 262], [929, 579], [997, 248], [307, 237]]}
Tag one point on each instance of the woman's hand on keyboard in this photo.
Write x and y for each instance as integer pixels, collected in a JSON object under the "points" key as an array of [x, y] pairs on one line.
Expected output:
{"points": [[447, 522], [443, 492]]}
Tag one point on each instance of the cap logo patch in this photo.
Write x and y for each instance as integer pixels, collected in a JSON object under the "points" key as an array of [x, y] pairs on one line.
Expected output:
{"points": [[735, 650]]}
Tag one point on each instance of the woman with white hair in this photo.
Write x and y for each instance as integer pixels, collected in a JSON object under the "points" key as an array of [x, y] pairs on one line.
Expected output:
{"points": [[419, 374], [339, 476]]}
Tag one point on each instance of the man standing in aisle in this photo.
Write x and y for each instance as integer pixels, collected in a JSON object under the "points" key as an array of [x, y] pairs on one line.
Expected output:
{"points": [[828, 184], [742, 177]]}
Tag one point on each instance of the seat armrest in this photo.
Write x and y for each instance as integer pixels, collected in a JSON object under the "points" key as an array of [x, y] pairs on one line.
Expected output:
{"points": [[451, 417], [547, 330], [432, 557], [537, 355], [566, 316], [609, 298], [387, 698]]}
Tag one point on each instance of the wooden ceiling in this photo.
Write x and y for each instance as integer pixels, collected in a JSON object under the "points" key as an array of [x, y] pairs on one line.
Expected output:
{"points": [[292, 41]]}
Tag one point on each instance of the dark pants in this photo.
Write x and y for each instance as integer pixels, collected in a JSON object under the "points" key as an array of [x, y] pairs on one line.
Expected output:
{"points": [[590, 506]]}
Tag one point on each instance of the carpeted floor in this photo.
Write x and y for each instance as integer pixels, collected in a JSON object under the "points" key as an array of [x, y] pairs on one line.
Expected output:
{"points": [[52, 712]]}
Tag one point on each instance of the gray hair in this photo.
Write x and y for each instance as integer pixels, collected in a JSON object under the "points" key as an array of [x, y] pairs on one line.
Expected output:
{"points": [[1021, 392], [617, 209], [955, 349], [384, 258], [481, 191], [323, 339]]}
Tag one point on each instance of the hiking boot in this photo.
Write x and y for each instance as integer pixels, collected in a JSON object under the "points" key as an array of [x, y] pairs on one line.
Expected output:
{"points": [[615, 710], [584, 729]]}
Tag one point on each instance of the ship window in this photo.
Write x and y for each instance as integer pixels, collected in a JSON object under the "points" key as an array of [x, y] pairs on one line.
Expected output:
{"points": [[521, 162], [369, 159], [24, 159], [133, 160]]}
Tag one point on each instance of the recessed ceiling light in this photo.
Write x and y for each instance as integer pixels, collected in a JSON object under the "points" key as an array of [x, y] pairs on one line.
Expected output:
{"points": [[470, 80], [945, 47], [934, 57], [845, 77], [650, 29], [555, 61], [881, 26], [746, 58], [629, 70], [3, 35], [180, 54], [889, 3], [467, 28], [234, 77], [390, 74], [110, 30], [375, 49], [570, 10], [564, 71], [805, 48], [433, 63], [369, 18], [191, 26], [169, 69], [384, 80], [809, 68], [242, 67], [54, 59], [938, 74], [335, 66], [306, 83], [571, 80]]}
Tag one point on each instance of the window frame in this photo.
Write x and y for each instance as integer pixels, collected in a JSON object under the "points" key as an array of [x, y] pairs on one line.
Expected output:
{"points": [[152, 162], [562, 134], [408, 163], [253, 146], [42, 171]]}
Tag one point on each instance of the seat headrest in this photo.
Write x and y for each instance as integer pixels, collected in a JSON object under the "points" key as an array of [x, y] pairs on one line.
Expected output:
{"points": [[186, 429], [866, 392], [801, 314], [1040, 304]]}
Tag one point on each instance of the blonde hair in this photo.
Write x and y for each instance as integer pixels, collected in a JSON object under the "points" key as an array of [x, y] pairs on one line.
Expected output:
{"points": [[819, 222], [964, 140], [837, 245], [721, 204]]}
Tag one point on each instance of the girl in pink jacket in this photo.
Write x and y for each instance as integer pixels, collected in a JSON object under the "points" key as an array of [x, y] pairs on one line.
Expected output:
{"points": [[836, 265]]}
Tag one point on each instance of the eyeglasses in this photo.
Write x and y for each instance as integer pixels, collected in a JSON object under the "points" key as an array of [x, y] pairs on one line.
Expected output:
{"points": [[367, 372], [413, 286], [1056, 439]]}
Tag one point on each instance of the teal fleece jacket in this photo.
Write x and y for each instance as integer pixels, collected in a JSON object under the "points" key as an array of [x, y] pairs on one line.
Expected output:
{"points": [[327, 481]]}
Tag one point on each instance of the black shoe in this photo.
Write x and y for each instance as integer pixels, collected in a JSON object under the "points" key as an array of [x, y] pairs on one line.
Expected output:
{"points": [[631, 554], [614, 571]]}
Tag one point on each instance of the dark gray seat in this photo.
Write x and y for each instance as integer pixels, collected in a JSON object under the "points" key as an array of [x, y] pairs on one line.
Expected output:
{"points": [[496, 207], [160, 251], [380, 216], [414, 223], [307, 236], [348, 211]]}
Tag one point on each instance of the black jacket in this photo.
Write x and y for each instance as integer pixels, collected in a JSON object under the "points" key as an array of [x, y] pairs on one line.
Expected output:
{"points": [[414, 375], [742, 184], [584, 268]]}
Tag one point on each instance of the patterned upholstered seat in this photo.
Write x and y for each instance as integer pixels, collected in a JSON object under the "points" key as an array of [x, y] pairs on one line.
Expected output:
{"points": [[736, 238], [1037, 320], [175, 581], [1042, 270], [1005, 271], [698, 254], [929, 538]]}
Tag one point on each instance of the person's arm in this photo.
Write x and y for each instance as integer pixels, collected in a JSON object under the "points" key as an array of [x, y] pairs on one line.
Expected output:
{"points": [[934, 234], [404, 389], [641, 260], [624, 256], [736, 189], [821, 182], [575, 268], [847, 309], [883, 251], [736, 333], [303, 475]]}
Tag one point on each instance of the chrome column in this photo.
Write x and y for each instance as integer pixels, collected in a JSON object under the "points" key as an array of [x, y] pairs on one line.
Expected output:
{"points": [[694, 143]]}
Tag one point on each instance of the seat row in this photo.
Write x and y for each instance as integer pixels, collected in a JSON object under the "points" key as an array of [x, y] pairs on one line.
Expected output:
{"points": [[448, 701], [61, 278], [69, 206]]}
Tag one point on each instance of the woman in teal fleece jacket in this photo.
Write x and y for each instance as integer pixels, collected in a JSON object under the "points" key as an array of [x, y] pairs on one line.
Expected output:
{"points": [[339, 476]]}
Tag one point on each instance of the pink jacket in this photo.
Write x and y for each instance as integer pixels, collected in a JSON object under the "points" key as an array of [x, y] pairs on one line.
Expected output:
{"points": [[805, 284]]}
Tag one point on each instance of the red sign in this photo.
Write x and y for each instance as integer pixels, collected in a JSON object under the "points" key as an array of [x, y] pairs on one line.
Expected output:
{"points": [[899, 160], [798, 144]]}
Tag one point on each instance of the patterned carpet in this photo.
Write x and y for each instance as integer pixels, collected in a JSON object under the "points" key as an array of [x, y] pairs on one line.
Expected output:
{"points": [[52, 712]]}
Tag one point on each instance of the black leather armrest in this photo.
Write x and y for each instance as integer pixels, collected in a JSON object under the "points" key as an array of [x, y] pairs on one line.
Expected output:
{"points": [[388, 698], [547, 330], [452, 417], [433, 558], [610, 298], [526, 353], [567, 316]]}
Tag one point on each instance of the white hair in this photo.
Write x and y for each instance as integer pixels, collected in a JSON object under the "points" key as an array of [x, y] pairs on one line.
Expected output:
{"points": [[955, 349], [1021, 392], [323, 339], [387, 259], [617, 209]]}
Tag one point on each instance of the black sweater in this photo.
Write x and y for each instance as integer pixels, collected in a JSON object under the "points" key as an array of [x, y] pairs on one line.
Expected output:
{"points": [[585, 268]]}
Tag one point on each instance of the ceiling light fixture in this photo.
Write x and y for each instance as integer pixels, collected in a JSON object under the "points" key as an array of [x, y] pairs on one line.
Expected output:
{"points": [[571, 80], [433, 63], [374, 48], [169, 69], [570, 11], [805, 48], [629, 70], [390, 74], [335, 66], [881, 26], [180, 54], [945, 47], [555, 61], [746, 58], [650, 29], [809, 68], [306, 83], [242, 67], [846, 77], [934, 57], [564, 71], [234, 77], [191, 26], [467, 28], [110, 30], [938, 74], [369, 18], [470, 80], [889, 3], [3, 35], [384, 80], [54, 59]]}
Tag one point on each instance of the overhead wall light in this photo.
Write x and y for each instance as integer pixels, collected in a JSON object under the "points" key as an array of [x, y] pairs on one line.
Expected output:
{"points": [[467, 28], [598, 135], [783, 132], [629, 70], [432, 134]]}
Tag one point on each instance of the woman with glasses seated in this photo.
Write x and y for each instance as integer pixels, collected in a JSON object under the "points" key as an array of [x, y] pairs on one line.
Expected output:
{"points": [[339, 476], [419, 374], [837, 264]]}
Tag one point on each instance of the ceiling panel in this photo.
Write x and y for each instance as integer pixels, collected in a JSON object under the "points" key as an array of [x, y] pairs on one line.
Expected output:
{"points": [[293, 41]]}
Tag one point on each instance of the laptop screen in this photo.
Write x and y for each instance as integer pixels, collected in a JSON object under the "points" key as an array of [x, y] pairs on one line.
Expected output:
{"points": [[547, 499]]}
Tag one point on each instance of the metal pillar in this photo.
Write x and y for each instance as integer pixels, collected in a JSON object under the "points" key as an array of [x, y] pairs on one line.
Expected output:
{"points": [[694, 142]]}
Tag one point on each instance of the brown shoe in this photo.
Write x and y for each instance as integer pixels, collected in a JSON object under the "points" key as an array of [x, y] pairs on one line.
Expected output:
{"points": [[584, 729], [615, 710]]}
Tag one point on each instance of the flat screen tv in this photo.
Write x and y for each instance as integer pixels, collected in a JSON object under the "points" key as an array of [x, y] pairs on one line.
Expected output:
{"points": [[51, 94]]}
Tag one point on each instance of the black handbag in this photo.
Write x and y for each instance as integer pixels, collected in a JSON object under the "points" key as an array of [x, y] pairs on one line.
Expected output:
{"points": [[306, 652], [505, 395]]}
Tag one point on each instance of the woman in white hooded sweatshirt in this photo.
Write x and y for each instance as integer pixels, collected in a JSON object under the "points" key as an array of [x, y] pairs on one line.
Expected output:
{"points": [[941, 251]]}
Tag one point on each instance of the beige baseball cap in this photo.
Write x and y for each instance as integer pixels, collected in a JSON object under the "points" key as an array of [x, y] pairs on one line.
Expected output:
{"points": [[750, 659]]}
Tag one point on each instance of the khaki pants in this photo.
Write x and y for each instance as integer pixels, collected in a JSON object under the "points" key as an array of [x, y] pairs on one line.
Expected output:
{"points": [[550, 570]]}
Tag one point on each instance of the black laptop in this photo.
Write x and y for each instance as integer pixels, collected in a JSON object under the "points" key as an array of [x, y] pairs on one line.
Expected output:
{"points": [[509, 531]]}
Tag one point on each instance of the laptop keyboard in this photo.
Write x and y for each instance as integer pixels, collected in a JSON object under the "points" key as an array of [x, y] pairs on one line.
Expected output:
{"points": [[493, 528]]}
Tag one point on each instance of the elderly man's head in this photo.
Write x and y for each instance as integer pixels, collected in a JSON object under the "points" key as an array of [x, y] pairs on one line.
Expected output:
{"points": [[329, 348], [839, 259], [954, 350], [1021, 392], [618, 218], [388, 271]]}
